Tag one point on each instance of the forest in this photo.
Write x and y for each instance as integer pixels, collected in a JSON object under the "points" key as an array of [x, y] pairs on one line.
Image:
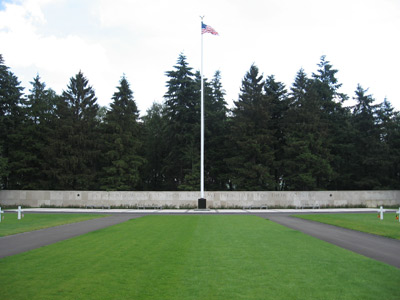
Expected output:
{"points": [[274, 138]]}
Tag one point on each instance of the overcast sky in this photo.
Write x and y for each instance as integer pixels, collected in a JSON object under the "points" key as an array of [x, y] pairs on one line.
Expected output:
{"points": [[142, 39]]}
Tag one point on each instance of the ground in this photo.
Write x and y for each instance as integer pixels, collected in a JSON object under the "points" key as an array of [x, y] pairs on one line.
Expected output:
{"points": [[195, 257]]}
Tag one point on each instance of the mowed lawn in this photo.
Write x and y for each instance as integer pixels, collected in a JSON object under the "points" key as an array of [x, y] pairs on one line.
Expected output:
{"points": [[11, 224], [196, 257], [370, 223]]}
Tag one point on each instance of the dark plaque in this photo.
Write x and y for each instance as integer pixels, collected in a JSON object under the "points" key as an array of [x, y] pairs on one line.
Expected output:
{"points": [[202, 203]]}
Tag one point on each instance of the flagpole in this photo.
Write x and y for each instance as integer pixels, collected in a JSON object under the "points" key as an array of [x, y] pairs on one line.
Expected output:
{"points": [[202, 200]]}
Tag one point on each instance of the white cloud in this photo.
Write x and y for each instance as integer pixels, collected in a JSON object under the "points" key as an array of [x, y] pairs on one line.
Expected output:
{"points": [[143, 39], [56, 58]]}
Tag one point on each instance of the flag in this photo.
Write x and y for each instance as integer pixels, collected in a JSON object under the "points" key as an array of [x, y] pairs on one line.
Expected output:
{"points": [[207, 29]]}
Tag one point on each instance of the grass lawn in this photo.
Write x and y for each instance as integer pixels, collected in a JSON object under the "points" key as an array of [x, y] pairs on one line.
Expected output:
{"points": [[11, 225], [195, 257], [370, 223]]}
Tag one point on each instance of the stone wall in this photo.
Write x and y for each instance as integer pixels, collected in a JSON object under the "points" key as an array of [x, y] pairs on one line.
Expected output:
{"points": [[189, 199]]}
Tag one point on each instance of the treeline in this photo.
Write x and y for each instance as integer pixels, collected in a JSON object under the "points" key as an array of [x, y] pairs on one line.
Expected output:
{"points": [[274, 138]]}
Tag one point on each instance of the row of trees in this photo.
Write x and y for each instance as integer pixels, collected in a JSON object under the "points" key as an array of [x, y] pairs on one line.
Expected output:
{"points": [[303, 138]]}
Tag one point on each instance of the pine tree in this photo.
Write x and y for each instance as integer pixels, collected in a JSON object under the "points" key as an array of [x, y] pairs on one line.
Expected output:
{"points": [[299, 89], [389, 127], [41, 102], [367, 139], [251, 137], [3, 168], [328, 85], [182, 111], [37, 127], [75, 140], [317, 107], [342, 150], [215, 125], [154, 140], [307, 159], [122, 142], [277, 95], [216, 134], [11, 118]]}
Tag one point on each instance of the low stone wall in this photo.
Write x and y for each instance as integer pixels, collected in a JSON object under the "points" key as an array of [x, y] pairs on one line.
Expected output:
{"points": [[189, 199]]}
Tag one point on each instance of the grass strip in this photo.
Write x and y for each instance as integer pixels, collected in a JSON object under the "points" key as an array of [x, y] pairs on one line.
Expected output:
{"points": [[369, 223], [11, 225], [195, 257]]}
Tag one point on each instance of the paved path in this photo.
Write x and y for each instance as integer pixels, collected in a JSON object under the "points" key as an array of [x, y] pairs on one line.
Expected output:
{"points": [[17, 243], [379, 248]]}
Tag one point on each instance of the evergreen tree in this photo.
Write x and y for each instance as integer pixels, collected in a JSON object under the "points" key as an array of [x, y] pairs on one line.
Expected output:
{"points": [[321, 136], [122, 142], [342, 150], [367, 139], [299, 89], [182, 111], [328, 85], [277, 95], [394, 146], [216, 134], [75, 140], [11, 118], [251, 137], [41, 102], [215, 125], [154, 139], [271, 140], [3, 168], [389, 126], [335, 120], [307, 159], [39, 110]]}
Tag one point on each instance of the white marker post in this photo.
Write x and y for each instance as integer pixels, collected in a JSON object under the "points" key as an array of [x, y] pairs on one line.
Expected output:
{"points": [[381, 210], [19, 212], [398, 212], [1, 212]]}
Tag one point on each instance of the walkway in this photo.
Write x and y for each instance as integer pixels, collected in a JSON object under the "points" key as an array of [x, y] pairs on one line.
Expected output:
{"points": [[377, 247], [17, 243]]}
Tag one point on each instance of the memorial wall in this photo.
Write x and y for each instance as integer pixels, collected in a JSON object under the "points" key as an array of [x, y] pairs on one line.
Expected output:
{"points": [[133, 199]]}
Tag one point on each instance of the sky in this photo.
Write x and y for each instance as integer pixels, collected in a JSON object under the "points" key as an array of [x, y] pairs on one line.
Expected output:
{"points": [[106, 39]]}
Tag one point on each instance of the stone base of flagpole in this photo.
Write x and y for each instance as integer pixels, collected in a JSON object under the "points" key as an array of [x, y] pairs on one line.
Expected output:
{"points": [[202, 203]]}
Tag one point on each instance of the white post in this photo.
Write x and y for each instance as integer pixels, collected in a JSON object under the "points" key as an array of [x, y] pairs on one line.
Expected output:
{"points": [[19, 212], [1, 212], [381, 212], [202, 122], [398, 212]]}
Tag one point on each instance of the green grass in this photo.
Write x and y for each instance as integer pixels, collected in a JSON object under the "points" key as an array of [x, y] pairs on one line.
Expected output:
{"points": [[11, 225], [196, 257], [370, 223]]}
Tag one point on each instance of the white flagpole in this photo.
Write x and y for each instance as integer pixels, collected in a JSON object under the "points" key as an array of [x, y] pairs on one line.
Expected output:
{"points": [[202, 123]]}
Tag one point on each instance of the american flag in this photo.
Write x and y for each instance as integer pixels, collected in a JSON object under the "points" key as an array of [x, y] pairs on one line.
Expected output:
{"points": [[207, 29]]}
